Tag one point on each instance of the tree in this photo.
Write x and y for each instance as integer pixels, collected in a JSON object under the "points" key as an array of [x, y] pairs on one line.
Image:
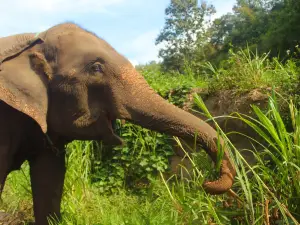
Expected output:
{"points": [[183, 33], [263, 25], [284, 29]]}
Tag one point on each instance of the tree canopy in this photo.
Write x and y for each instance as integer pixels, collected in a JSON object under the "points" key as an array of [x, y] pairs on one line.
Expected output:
{"points": [[263, 25], [184, 32]]}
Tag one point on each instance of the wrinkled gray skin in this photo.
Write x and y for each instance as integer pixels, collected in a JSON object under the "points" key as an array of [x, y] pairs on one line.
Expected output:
{"points": [[67, 84]]}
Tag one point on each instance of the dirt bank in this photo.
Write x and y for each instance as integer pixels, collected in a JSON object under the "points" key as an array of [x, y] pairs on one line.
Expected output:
{"points": [[222, 104]]}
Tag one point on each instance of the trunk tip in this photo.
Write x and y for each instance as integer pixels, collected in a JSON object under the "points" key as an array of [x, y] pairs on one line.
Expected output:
{"points": [[219, 186]]}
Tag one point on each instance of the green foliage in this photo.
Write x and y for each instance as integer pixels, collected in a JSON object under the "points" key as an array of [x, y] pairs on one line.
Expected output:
{"points": [[283, 31], [266, 25], [183, 34], [263, 25], [273, 183], [178, 96], [145, 154], [190, 40], [245, 70], [277, 170], [164, 83]]}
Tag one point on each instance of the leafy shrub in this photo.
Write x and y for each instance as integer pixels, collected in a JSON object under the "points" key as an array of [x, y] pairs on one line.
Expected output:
{"points": [[146, 152], [163, 83]]}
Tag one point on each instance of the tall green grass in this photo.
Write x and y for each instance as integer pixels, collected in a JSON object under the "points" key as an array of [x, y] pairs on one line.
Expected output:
{"points": [[246, 70], [268, 191]]}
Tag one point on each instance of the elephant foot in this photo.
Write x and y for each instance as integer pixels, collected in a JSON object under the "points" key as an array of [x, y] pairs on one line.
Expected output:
{"points": [[12, 219]]}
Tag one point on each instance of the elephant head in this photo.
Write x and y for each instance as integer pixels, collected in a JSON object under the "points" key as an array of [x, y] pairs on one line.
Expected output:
{"points": [[74, 84]]}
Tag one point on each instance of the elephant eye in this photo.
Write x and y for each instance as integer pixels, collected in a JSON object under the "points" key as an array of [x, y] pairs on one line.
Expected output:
{"points": [[97, 68]]}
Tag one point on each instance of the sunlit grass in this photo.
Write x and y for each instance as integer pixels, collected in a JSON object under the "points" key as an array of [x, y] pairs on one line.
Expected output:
{"points": [[246, 70]]}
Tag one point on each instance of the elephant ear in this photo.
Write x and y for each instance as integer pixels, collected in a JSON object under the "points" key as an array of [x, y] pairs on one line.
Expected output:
{"points": [[23, 84]]}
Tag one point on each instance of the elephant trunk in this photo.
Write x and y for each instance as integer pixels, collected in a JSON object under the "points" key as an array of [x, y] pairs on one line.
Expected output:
{"points": [[146, 108]]}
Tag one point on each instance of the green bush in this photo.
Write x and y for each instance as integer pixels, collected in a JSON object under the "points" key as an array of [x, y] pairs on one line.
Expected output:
{"points": [[146, 153]]}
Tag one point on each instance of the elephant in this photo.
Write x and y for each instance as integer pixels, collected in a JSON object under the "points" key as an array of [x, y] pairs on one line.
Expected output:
{"points": [[66, 84]]}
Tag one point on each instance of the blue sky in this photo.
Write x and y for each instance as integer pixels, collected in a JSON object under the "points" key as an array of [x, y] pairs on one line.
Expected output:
{"points": [[130, 26]]}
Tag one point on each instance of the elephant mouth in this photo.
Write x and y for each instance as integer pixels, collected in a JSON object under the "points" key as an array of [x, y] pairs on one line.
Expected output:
{"points": [[112, 138], [112, 122]]}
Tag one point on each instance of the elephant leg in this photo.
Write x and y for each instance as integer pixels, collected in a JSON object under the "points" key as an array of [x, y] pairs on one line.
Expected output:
{"points": [[4, 165], [47, 171], [8, 147], [12, 126]]}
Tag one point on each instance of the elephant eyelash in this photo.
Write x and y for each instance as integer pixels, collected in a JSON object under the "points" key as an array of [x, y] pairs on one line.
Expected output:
{"points": [[87, 67]]}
